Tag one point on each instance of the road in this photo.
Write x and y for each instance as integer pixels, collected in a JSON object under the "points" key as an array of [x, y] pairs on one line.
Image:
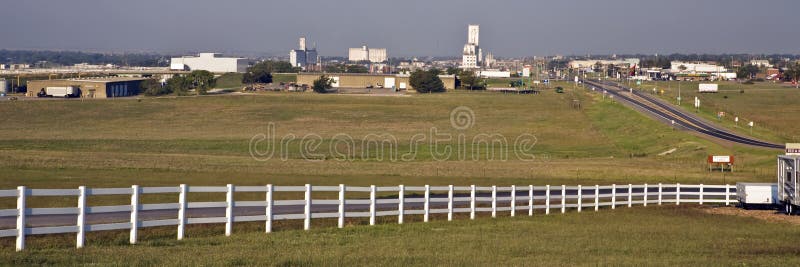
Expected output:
{"points": [[668, 114], [412, 202]]}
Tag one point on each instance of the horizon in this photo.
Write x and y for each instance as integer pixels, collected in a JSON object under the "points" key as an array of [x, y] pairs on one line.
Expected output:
{"points": [[250, 27]]}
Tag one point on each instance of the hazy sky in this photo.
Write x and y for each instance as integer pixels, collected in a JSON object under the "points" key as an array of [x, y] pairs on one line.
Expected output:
{"points": [[405, 27]]}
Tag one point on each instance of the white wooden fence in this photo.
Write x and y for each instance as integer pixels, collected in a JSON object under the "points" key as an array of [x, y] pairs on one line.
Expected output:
{"points": [[445, 199]]}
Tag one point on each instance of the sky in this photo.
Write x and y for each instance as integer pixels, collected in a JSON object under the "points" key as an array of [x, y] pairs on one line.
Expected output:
{"points": [[509, 28]]}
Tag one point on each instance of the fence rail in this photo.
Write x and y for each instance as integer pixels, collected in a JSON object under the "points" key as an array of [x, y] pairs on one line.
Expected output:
{"points": [[409, 200]]}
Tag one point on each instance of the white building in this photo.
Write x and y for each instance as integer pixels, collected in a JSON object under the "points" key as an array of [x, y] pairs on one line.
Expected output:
{"points": [[472, 55], [212, 62], [364, 53], [761, 63], [695, 67], [590, 63], [303, 57]]}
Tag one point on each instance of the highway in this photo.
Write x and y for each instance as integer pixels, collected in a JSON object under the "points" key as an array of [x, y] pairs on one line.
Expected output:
{"points": [[669, 114], [412, 202]]}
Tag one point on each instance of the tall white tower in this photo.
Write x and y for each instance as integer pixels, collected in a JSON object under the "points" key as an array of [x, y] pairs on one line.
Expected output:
{"points": [[472, 55], [302, 43], [474, 34]]}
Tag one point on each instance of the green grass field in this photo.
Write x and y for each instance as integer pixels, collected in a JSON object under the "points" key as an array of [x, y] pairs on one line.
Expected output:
{"points": [[772, 107], [661, 236], [205, 141]]}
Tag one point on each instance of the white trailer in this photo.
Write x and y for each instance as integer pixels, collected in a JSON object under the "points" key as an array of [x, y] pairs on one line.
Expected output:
{"points": [[756, 194], [61, 91], [708, 88], [787, 182]]}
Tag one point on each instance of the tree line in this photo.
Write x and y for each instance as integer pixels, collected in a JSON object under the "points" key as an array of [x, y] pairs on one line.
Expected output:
{"points": [[68, 58]]}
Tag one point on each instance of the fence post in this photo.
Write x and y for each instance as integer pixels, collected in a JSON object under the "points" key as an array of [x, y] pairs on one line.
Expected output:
{"points": [[678, 194], [450, 203], [630, 195], [701, 194], [21, 217], [727, 195], [472, 202], [659, 193], [596, 197], [182, 211], [513, 200], [341, 205], [494, 201], [372, 192], [268, 211], [645, 194], [134, 214], [81, 238], [427, 203], [307, 209], [229, 210], [530, 200], [613, 196], [580, 198], [401, 198], [547, 200], [563, 198]]}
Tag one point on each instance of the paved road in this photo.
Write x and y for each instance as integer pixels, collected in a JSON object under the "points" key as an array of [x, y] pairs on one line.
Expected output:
{"points": [[9, 222], [668, 113]]}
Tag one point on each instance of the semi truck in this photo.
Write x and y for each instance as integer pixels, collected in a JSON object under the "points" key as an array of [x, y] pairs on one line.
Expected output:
{"points": [[788, 174], [59, 91]]}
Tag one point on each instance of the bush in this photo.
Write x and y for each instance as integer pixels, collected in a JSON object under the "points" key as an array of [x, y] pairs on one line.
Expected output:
{"points": [[426, 81], [322, 84], [151, 87]]}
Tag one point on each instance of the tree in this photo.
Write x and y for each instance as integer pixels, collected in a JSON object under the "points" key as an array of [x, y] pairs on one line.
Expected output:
{"points": [[469, 80], [179, 85], [682, 68], [270, 66], [793, 73], [201, 80], [262, 72], [356, 69], [335, 68], [746, 71], [426, 81], [453, 71], [151, 87], [322, 84]]}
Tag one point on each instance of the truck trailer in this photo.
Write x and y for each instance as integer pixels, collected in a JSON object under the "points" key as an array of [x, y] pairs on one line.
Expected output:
{"points": [[787, 180], [60, 91]]}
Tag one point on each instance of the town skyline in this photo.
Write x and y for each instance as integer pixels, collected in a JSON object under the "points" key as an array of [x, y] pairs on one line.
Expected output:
{"points": [[717, 27]]}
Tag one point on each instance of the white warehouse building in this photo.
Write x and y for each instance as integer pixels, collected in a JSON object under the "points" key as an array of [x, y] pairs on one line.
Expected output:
{"points": [[364, 53], [212, 62]]}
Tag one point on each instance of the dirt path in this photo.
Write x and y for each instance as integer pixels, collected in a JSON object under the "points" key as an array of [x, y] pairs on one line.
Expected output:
{"points": [[766, 215]]}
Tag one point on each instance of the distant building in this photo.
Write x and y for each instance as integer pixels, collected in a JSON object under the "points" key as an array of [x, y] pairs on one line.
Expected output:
{"points": [[761, 63], [472, 54], [364, 53], [695, 67], [91, 87], [3, 66], [303, 57], [212, 62], [591, 63], [364, 80]]}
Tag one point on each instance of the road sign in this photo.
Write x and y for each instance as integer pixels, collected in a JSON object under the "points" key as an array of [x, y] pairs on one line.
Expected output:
{"points": [[720, 159]]}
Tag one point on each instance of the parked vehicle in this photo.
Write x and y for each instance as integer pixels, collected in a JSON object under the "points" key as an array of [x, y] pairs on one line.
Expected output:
{"points": [[59, 91], [788, 173], [751, 195]]}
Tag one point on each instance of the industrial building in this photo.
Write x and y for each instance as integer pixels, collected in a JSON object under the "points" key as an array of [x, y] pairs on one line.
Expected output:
{"points": [[591, 63], [303, 57], [364, 53], [362, 80], [472, 56], [212, 62], [106, 87]]}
